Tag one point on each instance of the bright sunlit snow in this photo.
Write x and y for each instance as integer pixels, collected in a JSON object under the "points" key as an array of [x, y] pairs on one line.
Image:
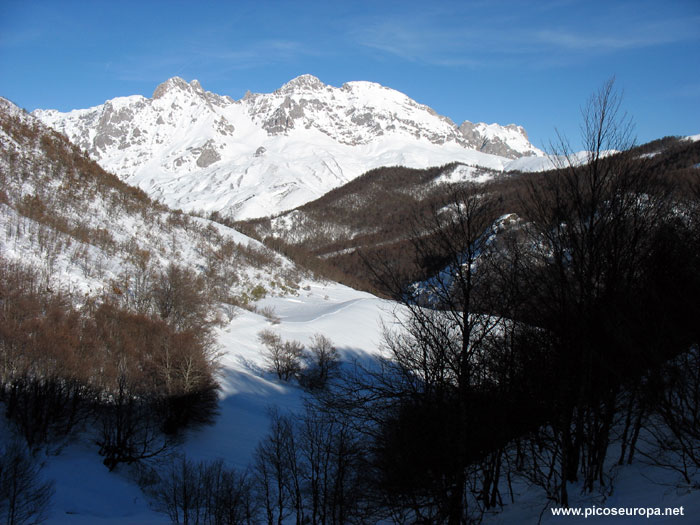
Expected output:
{"points": [[267, 153]]}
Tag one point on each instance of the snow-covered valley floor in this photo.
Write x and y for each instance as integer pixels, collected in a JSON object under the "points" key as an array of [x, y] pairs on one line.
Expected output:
{"points": [[87, 493]]}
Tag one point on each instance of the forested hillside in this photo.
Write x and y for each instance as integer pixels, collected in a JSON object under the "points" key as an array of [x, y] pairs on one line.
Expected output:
{"points": [[375, 216]]}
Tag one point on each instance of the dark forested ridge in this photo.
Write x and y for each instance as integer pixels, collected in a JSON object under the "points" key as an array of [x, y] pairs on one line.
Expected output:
{"points": [[372, 216]]}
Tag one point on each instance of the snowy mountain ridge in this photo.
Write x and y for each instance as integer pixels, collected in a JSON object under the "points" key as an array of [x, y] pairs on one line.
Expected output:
{"points": [[265, 153]]}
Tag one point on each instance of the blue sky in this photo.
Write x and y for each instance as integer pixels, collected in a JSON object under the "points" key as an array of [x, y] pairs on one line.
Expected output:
{"points": [[532, 63]]}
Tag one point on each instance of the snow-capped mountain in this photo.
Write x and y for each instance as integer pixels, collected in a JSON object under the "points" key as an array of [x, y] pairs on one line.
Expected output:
{"points": [[266, 153]]}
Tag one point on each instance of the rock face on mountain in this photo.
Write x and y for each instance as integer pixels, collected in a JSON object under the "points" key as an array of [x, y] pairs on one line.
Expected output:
{"points": [[265, 153]]}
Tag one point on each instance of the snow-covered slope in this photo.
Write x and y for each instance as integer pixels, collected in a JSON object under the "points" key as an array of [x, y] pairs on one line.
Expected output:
{"points": [[87, 493], [266, 153], [88, 235]]}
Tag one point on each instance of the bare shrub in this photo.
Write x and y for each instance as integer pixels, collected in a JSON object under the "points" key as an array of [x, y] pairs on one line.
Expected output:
{"points": [[60, 367], [46, 410], [24, 497], [283, 357], [323, 362], [208, 493], [180, 299], [674, 428], [268, 312], [311, 470], [128, 431]]}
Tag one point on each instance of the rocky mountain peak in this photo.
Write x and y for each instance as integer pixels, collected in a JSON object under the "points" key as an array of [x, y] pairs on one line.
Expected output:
{"points": [[302, 83], [268, 152], [498, 140], [195, 85], [518, 129], [177, 83]]}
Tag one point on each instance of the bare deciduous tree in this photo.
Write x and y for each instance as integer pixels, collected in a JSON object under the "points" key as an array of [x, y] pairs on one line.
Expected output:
{"points": [[24, 497], [323, 363], [283, 357], [206, 493]]}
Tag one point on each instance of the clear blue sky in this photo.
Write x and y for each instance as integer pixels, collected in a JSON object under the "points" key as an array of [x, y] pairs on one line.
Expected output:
{"points": [[532, 63]]}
